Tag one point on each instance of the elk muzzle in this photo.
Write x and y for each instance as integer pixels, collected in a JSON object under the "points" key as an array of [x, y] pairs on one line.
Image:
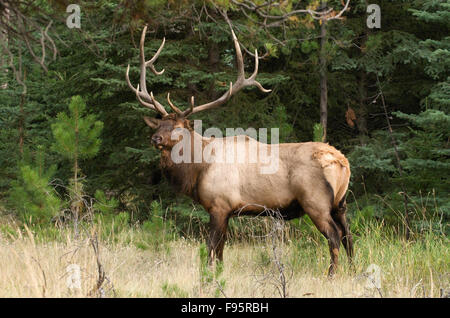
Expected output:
{"points": [[157, 141]]}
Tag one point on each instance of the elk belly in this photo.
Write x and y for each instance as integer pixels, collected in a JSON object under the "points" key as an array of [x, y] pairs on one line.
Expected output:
{"points": [[270, 190], [220, 185]]}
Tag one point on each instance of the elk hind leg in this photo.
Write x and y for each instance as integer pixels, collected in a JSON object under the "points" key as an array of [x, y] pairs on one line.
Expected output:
{"points": [[326, 225], [339, 217]]}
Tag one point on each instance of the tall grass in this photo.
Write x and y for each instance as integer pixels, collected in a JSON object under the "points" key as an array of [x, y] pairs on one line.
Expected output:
{"points": [[149, 262]]}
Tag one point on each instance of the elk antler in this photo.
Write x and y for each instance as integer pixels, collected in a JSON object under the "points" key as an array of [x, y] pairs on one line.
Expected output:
{"points": [[240, 83], [149, 101], [142, 95]]}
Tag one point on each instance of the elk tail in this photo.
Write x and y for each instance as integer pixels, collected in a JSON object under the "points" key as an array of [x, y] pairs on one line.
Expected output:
{"points": [[336, 170]]}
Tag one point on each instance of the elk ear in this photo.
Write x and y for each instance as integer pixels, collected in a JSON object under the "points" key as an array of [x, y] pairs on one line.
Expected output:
{"points": [[152, 122]]}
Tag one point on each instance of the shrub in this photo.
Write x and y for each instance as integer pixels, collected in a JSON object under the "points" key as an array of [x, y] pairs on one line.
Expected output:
{"points": [[31, 195]]}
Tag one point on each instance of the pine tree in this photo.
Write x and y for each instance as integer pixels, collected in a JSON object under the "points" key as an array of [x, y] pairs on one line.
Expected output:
{"points": [[76, 138], [426, 152], [436, 51]]}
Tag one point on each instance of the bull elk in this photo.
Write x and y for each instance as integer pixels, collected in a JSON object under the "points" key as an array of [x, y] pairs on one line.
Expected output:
{"points": [[311, 178]]}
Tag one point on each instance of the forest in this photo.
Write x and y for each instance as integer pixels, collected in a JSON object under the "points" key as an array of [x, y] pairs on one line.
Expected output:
{"points": [[82, 192]]}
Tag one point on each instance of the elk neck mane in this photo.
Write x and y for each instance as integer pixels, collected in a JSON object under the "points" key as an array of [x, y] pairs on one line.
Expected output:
{"points": [[184, 177]]}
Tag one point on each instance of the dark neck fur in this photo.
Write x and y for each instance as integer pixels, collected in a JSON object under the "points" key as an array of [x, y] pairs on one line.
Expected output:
{"points": [[183, 176]]}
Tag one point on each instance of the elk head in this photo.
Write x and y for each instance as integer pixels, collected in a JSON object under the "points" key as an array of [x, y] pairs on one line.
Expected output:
{"points": [[178, 119]]}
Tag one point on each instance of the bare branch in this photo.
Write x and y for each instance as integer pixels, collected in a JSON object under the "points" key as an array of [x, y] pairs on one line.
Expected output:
{"points": [[276, 20], [17, 73], [14, 22], [338, 16]]}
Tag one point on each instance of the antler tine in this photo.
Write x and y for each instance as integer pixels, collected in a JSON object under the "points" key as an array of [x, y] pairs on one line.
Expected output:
{"points": [[187, 112], [150, 62], [144, 103], [255, 72], [127, 78], [158, 105], [174, 108], [230, 91], [192, 103], [143, 73], [141, 91], [153, 59], [239, 58], [240, 83], [221, 100]]}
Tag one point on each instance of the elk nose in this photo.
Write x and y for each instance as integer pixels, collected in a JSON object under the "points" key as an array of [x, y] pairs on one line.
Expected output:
{"points": [[156, 139]]}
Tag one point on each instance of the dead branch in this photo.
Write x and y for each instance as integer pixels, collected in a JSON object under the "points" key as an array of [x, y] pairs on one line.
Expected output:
{"points": [[281, 274], [15, 23], [264, 9]]}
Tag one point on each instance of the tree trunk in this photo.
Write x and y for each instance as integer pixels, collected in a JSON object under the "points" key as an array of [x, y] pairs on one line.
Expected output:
{"points": [[361, 117], [77, 200], [399, 165], [362, 112], [4, 40], [323, 75], [21, 123]]}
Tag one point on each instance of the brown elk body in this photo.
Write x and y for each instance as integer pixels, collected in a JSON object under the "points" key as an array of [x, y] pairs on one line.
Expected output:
{"points": [[309, 178]]}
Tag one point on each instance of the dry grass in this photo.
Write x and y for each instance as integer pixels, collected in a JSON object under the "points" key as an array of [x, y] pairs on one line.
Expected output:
{"points": [[33, 269]]}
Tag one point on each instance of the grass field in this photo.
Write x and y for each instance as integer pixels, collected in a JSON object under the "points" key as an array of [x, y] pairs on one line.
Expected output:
{"points": [[291, 262]]}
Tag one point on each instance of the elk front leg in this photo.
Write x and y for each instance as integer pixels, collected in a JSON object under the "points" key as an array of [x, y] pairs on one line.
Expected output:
{"points": [[218, 225]]}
